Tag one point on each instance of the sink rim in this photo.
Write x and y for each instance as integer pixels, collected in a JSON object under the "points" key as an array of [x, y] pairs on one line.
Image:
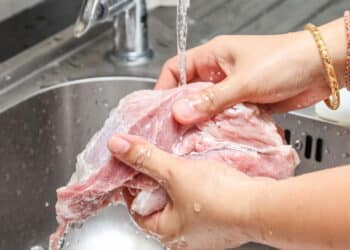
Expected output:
{"points": [[104, 79]]}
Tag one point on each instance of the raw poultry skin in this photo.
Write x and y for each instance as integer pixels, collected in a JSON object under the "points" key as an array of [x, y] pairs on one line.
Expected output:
{"points": [[243, 136]]}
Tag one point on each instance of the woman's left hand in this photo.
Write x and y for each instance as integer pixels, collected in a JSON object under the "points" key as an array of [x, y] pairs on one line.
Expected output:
{"points": [[210, 204]]}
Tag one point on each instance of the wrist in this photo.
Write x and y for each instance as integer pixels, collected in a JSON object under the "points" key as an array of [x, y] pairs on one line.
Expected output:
{"points": [[257, 221], [244, 208], [335, 38], [303, 56]]}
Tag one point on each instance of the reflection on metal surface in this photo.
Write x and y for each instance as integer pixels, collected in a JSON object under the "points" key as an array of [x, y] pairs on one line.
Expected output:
{"points": [[130, 27], [111, 229]]}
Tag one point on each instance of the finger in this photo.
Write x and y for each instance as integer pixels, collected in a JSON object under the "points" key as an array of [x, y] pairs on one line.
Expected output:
{"points": [[208, 102], [168, 77], [170, 74], [201, 65], [161, 224], [145, 157]]}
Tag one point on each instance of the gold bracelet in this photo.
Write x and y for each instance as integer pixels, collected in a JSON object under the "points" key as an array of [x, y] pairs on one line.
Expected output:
{"points": [[334, 102]]}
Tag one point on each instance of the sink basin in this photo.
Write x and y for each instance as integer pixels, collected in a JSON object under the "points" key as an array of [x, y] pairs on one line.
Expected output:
{"points": [[39, 140], [40, 136]]}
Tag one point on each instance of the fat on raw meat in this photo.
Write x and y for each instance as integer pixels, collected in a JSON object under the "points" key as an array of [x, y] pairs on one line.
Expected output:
{"points": [[243, 136]]}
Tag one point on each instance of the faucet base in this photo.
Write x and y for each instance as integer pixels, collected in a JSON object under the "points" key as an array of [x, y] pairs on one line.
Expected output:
{"points": [[131, 58]]}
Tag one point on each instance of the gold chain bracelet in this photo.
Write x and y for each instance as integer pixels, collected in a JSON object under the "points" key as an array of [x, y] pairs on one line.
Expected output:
{"points": [[334, 102]]}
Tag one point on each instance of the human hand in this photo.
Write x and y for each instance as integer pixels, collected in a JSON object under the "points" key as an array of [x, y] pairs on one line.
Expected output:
{"points": [[209, 206], [283, 72]]}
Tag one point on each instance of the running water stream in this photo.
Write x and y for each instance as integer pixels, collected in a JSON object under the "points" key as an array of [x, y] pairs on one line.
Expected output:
{"points": [[181, 28]]}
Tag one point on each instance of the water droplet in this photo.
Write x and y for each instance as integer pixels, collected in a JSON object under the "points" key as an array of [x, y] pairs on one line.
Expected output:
{"points": [[270, 232], [105, 104], [327, 151], [299, 122], [78, 121], [100, 89], [182, 242], [19, 192], [37, 248], [8, 78], [148, 236], [23, 165], [197, 207], [47, 204], [338, 133], [79, 29], [59, 149], [345, 155]]}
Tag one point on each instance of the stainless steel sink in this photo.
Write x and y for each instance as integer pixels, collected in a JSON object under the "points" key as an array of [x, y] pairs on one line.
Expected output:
{"points": [[40, 138]]}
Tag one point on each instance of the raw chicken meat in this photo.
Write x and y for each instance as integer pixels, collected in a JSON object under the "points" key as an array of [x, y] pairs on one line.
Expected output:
{"points": [[243, 137]]}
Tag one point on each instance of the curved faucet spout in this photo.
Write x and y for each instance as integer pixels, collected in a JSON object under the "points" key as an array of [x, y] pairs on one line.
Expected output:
{"points": [[130, 24]]}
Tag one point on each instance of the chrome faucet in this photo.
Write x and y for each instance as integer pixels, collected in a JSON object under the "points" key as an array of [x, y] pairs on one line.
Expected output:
{"points": [[130, 27]]}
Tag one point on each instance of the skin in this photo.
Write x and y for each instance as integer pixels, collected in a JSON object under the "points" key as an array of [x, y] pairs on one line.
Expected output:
{"points": [[213, 206]]}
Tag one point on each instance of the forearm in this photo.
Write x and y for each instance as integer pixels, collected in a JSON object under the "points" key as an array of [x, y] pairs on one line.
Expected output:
{"points": [[306, 212]]}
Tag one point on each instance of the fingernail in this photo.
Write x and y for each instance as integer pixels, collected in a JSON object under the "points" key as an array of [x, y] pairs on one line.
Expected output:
{"points": [[185, 110], [119, 145]]}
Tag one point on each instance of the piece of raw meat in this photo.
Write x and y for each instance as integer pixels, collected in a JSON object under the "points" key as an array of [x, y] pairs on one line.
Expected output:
{"points": [[242, 136]]}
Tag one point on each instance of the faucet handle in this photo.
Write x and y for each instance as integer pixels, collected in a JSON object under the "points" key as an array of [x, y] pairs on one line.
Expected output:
{"points": [[90, 13]]}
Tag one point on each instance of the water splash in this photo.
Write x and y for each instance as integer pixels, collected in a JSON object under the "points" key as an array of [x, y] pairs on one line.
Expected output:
{"points": [[37, 248], [197, 207], [181, 28]]}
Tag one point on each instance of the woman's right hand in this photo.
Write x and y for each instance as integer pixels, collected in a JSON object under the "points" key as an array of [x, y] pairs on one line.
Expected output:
{"points": [[283, 72]]}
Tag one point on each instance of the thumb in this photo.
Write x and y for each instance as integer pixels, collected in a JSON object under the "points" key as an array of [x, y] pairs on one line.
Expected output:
{"points": [[208, 102], [144, 157]]}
